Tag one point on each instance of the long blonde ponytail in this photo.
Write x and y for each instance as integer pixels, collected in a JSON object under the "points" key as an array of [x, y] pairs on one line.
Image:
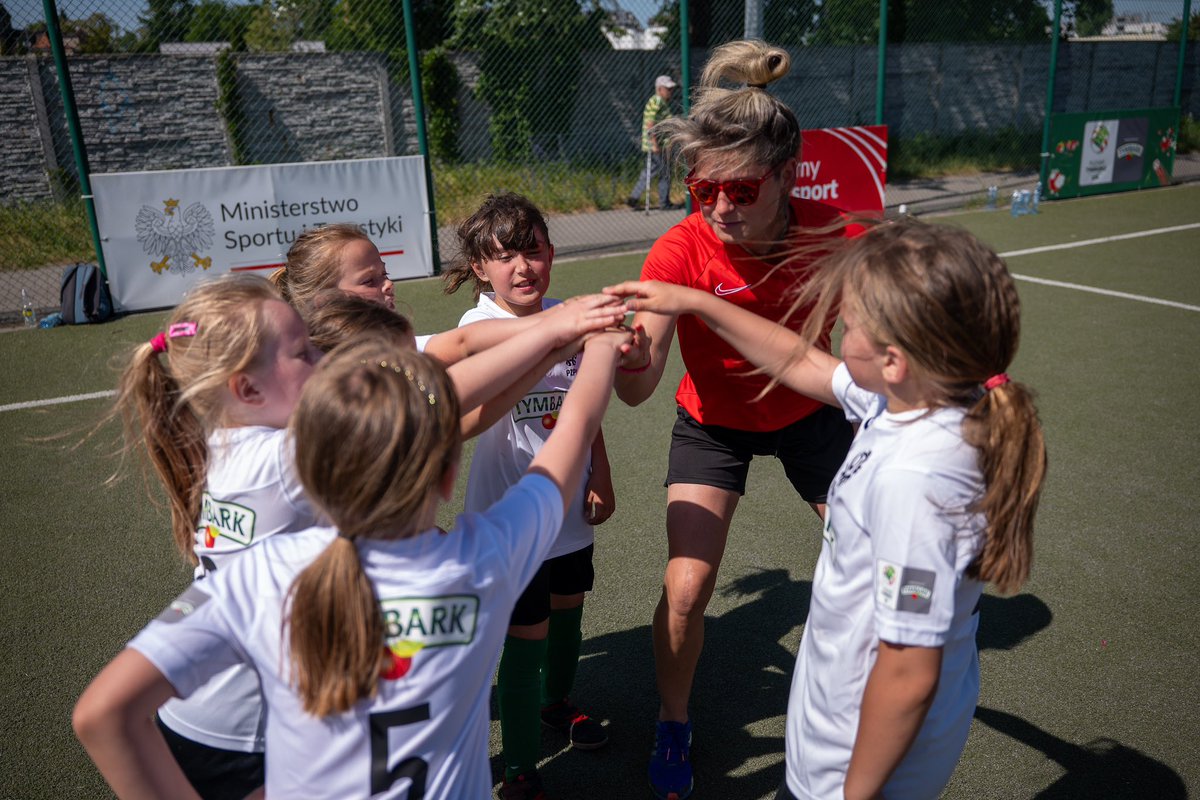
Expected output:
{"points": [[949, 302], [376, 433], [170, 393]]}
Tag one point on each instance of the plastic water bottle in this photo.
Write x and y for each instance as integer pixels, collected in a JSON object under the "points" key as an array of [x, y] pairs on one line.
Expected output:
{"points": [[991, 197], [1037, 194], [27, 310]]}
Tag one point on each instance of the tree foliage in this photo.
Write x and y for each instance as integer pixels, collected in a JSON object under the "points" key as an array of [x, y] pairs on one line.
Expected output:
{"points": [[440, 85], [529, 59], [271, 30], [276, 24], [789, 22], [848, 22], [976, 21], [215, 21], [1176, 28], [12, 41], [1088, 17], [165, 21]]}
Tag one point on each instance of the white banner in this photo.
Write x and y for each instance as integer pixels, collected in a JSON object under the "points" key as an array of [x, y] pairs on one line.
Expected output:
{"points": [[1099, 151], [163, 232]]}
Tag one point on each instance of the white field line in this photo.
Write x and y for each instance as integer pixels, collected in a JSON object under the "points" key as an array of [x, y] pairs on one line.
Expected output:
{"points": [[1119, 237], [1092, 289], [1029, 251], [1108, 292], [54, 401]]}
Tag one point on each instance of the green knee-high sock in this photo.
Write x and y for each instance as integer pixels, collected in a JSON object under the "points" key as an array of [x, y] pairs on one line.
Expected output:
{"points": [[562, 653], [517, 691]]}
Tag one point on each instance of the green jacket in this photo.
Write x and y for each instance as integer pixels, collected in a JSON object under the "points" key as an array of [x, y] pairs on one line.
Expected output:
{"points": [[655, 112]]}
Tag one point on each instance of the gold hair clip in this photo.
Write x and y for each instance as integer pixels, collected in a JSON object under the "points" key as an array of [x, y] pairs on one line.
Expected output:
{"points": [[413, 379]]}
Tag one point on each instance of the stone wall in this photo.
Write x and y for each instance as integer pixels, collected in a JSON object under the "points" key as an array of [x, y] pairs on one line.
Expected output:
{"points": [[140, 113], [25, 163], [159, 112], [316, 107]]}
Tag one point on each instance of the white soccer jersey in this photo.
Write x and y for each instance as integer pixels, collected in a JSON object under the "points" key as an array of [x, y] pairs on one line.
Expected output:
{"points": [[897, 543], [504, 451], [446, 598], [251, 493]]}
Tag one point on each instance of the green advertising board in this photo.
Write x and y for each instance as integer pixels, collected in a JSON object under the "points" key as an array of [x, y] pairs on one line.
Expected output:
{"points": [[1096, 152]]}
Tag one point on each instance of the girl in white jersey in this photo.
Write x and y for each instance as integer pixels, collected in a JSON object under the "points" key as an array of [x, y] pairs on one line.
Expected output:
{"points": [[936, 497], [506, 256], [340, 258], [210, 398], [376, 638]]}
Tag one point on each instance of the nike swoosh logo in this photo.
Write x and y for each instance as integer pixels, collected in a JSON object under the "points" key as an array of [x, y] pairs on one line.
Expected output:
{"points": [[721, 291]]}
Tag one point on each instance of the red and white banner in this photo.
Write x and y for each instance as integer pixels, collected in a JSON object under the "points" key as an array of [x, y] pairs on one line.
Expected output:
{"points": [[844, 167]]}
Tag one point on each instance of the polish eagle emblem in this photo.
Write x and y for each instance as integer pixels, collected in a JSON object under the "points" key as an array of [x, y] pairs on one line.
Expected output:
{"points": [[176, 237]]}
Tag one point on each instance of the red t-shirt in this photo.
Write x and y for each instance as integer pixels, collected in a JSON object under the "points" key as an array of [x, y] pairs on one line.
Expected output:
{"points": [[717, 389]]}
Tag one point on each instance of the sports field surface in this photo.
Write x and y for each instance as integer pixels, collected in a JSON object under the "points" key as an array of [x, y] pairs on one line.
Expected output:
{"points": [[1090, 673]]}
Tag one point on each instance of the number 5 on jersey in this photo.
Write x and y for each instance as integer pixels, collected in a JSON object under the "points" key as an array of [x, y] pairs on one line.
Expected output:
{"points": [[415, 769]]}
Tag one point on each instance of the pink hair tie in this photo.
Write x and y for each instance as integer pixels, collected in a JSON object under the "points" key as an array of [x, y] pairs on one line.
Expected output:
{"points": [[996, 380], [181, 329], [159, 343]]}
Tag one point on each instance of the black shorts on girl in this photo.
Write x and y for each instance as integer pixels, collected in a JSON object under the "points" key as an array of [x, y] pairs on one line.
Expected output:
{"points": [[572, 573], [214, 773], [811, 450]]}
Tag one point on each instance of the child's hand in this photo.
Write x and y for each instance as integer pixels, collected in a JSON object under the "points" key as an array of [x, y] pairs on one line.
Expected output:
{"points": [[581, 316], [611, 341], [600, 501], [656, 296], [635, 356]]}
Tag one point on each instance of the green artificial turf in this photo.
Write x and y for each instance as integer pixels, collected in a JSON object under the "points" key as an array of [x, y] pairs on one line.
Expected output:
{"points": [[1088, 673]]}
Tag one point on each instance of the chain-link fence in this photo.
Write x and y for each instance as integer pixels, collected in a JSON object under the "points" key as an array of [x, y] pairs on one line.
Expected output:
{"points": [[542, 97]]}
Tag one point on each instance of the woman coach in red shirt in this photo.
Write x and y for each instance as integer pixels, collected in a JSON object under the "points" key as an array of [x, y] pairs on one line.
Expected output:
{"points": [[741, 145]]}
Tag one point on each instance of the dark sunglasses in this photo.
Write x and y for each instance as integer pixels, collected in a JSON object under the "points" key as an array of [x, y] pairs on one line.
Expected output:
{"points": [[741, 191]]}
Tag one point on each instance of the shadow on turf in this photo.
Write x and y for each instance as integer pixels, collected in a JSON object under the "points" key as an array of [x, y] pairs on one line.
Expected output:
{"points": [[743, 679], [1005, 622], [1101, 768]]}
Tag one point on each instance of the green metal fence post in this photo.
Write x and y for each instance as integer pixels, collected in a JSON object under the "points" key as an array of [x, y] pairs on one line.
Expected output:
{"points": [[1183, 37], [685, 60], [54, 34], [414, 70], [881, 70], [685, 74], [1055, 35]]}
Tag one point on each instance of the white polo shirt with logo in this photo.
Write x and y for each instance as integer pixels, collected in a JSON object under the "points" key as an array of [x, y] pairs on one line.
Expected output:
{"points": [[446, 597], [251, 493], [897, 543], [504, 451]]}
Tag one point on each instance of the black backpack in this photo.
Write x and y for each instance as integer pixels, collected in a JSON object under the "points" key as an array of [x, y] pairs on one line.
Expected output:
{"points": [[84, 294]]}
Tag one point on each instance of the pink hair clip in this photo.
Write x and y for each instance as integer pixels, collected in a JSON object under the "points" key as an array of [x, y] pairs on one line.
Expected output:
{"points": [[996, 380], [181, 329], [159, 343]]}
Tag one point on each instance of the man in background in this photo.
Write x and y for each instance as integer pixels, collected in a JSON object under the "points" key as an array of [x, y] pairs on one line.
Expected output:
{"points": [[658, 108]]}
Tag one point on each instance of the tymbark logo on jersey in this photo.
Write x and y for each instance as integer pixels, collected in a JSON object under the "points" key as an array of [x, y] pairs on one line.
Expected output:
{"points": [[230, 520], [539, 405], [413, 624]]}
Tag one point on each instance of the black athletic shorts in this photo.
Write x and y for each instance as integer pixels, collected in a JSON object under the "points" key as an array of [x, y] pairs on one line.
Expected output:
{"points": [[811, 449], [569, 574], [784, 792], [215, 774]]}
